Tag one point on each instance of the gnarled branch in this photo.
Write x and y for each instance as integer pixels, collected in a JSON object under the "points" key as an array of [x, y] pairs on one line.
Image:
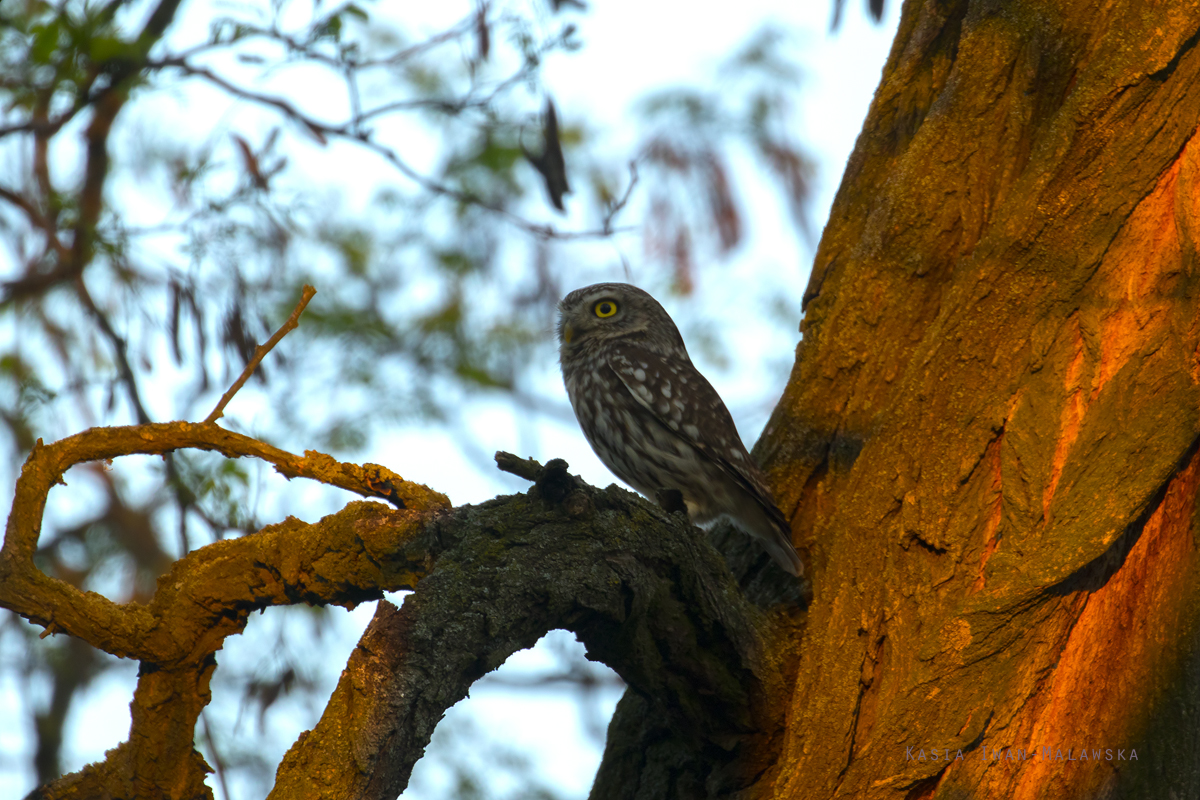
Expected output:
{"points": [[640, 587]]}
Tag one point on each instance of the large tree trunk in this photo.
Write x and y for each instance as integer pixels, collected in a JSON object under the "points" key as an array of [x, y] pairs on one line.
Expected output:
{"points": [[988, 443]]}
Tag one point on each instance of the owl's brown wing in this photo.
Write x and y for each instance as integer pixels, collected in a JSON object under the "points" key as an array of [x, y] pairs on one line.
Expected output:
{"points": [[682, 400]]}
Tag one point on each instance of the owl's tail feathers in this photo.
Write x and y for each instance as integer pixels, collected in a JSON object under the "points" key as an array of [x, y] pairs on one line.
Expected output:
{"points": [[767, 524], [780, 548]]}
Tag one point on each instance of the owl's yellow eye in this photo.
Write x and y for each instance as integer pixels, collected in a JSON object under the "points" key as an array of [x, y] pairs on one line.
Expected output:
{"points": [[605, 309]]}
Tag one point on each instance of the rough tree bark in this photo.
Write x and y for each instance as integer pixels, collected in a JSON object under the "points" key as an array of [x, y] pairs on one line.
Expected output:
{"points": [[988, 449], [640, 588], [989, 440]]}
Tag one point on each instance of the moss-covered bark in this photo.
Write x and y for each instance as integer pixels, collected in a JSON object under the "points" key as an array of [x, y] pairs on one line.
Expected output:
{"points": [[646, 595], [208, 595]]}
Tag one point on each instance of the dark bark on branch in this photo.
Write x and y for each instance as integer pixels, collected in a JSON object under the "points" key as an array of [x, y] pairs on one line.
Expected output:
{"points": [[641, 588]]}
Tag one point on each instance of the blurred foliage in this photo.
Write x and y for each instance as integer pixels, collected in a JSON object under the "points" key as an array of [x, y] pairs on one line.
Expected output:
{"points": [[692, 130], [172, 175]]}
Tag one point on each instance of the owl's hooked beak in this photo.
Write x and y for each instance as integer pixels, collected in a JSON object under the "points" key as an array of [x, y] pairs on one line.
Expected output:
{"points": [[568, 332]]}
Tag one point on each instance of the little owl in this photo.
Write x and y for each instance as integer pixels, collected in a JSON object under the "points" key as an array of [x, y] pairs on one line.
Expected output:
{"points": [[654, 420]]}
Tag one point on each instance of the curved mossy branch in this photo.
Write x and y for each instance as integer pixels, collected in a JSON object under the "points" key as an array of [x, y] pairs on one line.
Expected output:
{"points": [[133, 630], [640, 588], [346, 558]]}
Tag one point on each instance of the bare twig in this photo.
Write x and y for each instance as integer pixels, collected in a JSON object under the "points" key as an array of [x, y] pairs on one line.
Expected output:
{"points": [[526, 468], [617, 207], [260, 352]]}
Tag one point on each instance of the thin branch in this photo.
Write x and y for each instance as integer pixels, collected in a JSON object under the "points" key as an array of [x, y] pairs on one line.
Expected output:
{"points": [[33, 283], [41, 158], [35, 216], [106, 105], [36, 281], [618, 206], [448, 105], [356, 112], [109, 10], [157, 24], [584, 680], [452, 105], [95, 172], [44, 127], [218, 762], [526, 468], [119, 347], [38, 220], [260, 352], [463, 27], [71, 261], [322, 131], [295, 45]]}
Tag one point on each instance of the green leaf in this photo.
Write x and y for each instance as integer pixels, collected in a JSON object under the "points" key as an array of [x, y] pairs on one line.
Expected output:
{"points": [[456, 262], [107, 48], [45, 41], [356, 12], [329, 29]]}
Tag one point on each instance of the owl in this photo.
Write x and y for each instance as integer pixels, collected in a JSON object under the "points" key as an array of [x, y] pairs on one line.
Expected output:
{"points": [[654, 420]]}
